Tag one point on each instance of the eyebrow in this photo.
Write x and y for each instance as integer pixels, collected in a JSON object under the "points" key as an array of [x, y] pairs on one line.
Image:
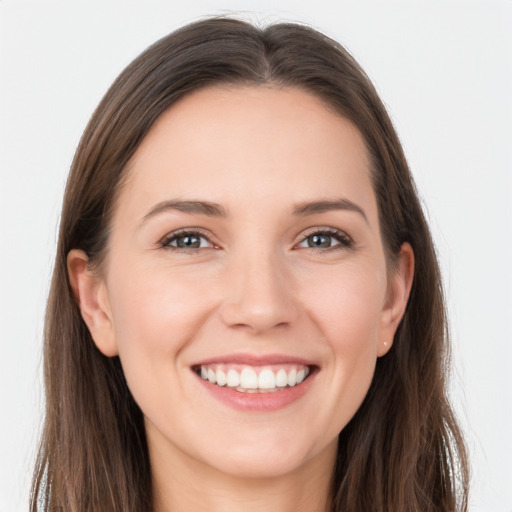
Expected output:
{"points": [[327, 205], [216, 210], [192, 207]]}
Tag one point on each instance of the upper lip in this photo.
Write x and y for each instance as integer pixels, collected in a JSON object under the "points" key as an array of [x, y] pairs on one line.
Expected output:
{"points": [[255, 360]]}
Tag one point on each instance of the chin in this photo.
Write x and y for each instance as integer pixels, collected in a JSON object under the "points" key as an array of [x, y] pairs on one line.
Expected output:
{"points": [[261, 466], [270, 458]]}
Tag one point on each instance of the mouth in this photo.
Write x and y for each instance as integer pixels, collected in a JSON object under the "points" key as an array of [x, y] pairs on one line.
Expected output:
{"points": [[256, 383], [245, 378]]}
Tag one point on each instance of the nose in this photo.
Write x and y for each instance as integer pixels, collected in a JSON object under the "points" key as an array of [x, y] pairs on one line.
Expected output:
{"points": [[259, 295]]}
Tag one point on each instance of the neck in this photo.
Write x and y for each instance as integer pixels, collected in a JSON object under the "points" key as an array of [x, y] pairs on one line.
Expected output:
{"points": [[181, 483]]}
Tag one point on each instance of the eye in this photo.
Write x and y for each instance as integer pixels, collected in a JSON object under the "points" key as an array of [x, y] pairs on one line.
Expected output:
{"points": [[186, 240], [326, 238]]}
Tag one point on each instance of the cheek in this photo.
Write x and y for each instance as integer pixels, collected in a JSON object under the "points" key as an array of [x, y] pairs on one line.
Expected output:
{"points": [[155, 310], [155, 316], [347, 305], [347, 310]]}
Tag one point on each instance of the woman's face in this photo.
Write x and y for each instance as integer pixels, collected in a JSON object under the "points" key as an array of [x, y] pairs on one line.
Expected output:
{"points": [[245, 249]]}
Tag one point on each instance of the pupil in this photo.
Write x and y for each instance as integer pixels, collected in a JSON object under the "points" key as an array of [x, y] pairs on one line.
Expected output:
{"points": [[320, 241], [189, 241]]}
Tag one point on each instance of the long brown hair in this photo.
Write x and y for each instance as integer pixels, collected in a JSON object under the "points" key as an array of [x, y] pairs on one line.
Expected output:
{"points": [[403, 449]]}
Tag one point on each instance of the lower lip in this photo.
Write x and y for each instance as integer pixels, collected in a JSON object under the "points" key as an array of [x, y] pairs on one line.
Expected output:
{"points": [[258, 401]]}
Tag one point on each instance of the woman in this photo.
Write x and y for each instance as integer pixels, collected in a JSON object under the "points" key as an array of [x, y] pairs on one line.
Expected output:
{"points": [[246, 305]]}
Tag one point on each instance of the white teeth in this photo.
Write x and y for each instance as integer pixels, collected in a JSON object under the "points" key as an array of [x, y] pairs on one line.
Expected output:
{"points": [[292, 377], [221, 377], [249, 380], [212, 376], [281, 378], [233, 378], [266, 379], [301, 375]]}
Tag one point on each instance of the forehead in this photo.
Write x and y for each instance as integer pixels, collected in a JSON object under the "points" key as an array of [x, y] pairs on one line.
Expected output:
{"points": [[255, 143]]}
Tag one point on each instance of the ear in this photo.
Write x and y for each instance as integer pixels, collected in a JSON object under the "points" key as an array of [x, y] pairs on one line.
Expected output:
{"points": [[90, 291], [399, 288]]}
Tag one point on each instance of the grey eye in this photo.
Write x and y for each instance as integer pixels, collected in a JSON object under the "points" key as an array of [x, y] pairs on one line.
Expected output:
{"points": [[189, 240], [319, 240], [327, 240]]}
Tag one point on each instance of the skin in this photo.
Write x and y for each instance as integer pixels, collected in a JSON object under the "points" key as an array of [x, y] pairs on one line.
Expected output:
{"points": [[257, 287]]}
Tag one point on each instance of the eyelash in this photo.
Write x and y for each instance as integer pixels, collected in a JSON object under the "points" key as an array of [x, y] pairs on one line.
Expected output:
{"points": [[171, 237], [345, 241]]}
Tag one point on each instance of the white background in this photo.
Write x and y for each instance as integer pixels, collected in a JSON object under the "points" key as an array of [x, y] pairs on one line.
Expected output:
{"points": [[444, 70]]}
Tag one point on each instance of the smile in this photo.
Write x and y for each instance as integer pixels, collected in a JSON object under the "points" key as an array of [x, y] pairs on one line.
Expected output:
{"points": [[256, 383], [254, 379]]}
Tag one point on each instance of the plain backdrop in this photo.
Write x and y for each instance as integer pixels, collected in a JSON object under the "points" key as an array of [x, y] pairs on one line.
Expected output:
{"points": [[444, 70]]}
